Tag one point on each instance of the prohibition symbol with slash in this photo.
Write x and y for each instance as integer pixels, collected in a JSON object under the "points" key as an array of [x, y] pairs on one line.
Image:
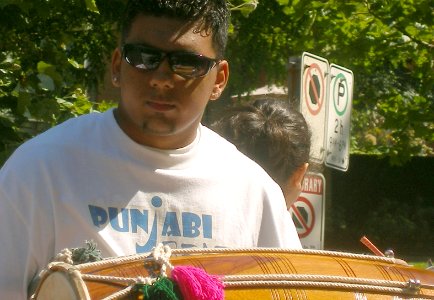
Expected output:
{"points": [[314, 88], [303, 215]]}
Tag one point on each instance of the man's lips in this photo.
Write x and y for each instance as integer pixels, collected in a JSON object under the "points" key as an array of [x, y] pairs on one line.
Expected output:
{"points": [[160, 106]]}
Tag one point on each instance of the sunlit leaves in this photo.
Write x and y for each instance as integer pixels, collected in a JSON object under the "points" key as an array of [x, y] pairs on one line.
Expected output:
{"points": [[91, 5], [243, 6], [53, 51], [49, 50], [387, 44]]}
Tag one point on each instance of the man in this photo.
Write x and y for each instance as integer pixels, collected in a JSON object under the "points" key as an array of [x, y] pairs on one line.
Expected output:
{"points": [[146, 172]]}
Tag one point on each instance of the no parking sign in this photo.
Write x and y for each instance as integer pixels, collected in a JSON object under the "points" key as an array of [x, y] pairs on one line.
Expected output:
{"points": [[308, 212], [313, 92]]}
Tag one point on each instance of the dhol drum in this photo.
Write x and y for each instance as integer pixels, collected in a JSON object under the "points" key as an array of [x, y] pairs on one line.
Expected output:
{"points": [[256, 273]]}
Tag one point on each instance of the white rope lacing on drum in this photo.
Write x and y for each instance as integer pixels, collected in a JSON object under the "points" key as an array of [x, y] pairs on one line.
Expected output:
{"points": [[64, 256], [324, 285], [236, 280], [160, 254], [321, 278], [291, 280], [125, 259]]}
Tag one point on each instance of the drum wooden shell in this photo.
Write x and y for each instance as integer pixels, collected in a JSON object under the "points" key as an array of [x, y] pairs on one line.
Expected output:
{"points": [[302, 274]]}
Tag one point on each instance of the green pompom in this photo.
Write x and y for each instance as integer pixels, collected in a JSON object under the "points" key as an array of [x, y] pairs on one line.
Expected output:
{"points": [[162, 289], [86, 254]]}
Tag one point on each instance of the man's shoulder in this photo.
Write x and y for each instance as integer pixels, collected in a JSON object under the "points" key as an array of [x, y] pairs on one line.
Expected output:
{"points": [[74, 131], [225, 153], [211, 137], [221, 148], [68, 130]]}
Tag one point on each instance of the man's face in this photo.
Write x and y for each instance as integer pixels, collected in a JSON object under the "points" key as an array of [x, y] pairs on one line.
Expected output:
{"points": [[159, 108]]}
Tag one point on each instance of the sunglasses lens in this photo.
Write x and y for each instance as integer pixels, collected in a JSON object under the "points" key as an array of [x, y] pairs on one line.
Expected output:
{"points": [[185, 64], [142, 57], [190, 65]]}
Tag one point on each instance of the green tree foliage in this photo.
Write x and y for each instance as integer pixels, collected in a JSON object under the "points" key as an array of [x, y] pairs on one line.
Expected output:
{"points": [[387, 44], [53, 54]]}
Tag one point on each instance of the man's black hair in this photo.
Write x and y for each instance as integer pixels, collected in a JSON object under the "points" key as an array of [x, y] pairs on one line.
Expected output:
{"points": [[210, 15]]}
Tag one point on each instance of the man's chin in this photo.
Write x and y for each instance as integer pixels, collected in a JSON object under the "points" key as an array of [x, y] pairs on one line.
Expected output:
{"points": [[158, 128]]}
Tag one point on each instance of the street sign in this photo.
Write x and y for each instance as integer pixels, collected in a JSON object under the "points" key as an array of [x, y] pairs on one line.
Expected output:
{"points": [[309, 210], [303, 215], [340, 100], [313, 96]]}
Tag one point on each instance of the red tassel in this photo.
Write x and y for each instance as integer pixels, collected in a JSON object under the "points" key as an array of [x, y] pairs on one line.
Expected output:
{"points": [[196, 284]]}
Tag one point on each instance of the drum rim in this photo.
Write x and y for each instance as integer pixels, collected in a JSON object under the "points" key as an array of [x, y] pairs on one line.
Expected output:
{"points": [[71, 273]]}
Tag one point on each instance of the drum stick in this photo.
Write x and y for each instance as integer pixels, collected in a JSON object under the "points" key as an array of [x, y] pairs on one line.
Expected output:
{"points": [[371, 246]]}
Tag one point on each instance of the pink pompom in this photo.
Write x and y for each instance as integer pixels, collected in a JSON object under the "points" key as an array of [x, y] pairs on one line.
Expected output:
{"points": [[196, 284]]}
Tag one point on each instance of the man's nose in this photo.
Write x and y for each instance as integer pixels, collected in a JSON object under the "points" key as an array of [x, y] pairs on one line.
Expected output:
{"points": [[162, 76]]}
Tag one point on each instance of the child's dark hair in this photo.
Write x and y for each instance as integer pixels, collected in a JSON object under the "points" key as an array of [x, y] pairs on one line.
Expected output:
{"points": [[269, 132]]}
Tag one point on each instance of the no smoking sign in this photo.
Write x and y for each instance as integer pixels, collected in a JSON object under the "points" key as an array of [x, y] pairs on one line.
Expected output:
{"points": [[308, 212], [303, 215]]}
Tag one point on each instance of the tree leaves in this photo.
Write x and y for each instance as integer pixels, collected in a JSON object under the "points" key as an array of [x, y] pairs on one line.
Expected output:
{"points": [[53, 55], [91, 5], [387, 45], [50, 53]]}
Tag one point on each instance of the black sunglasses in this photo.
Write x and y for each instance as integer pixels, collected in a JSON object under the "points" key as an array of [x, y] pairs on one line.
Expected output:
{"points": [[185, 64]]}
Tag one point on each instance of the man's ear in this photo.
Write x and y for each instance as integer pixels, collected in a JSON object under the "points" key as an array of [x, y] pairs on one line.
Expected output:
{"points": [[116, 67], [221, 80]]}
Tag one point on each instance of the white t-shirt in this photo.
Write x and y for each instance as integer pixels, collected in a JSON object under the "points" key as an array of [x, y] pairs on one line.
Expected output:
{"points": [[87, 180]]}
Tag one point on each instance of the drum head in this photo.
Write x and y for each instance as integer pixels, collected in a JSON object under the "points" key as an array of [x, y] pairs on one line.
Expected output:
{"points": [[63, 284]]}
